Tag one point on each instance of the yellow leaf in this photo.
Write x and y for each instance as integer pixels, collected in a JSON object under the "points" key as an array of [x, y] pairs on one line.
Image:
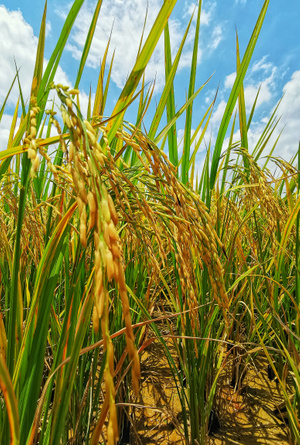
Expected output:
{"points": [[3, 339]]}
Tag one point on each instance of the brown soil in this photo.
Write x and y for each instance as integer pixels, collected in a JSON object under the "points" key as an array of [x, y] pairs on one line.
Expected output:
{"points": [[246, 416]]}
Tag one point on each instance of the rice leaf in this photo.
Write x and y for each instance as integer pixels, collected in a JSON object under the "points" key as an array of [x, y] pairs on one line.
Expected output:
{"points": [[234, 94]]}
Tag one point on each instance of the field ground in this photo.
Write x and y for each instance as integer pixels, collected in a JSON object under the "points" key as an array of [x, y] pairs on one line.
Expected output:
{"points": [[246, 416]]}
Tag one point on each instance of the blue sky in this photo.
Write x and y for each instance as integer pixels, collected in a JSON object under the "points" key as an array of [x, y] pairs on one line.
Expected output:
{"points": [[275, 64]]}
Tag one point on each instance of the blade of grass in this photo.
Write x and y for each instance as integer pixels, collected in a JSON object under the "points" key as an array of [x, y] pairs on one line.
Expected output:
{"points": [[88, 43], [10, 401], [98, 104], [14, 331], [242, 109], [56, 54], [189, 110], [253, 108], [167, 89], [39, 61], [6, 97], [234, 95], [170, 106], [139, 67], [165, 130]]}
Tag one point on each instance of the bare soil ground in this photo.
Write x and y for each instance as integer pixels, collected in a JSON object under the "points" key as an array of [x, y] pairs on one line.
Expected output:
{"points": [[246, 417]]}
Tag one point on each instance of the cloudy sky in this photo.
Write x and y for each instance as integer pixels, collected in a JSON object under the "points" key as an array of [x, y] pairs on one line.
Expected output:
{"points": [[275, 64]]}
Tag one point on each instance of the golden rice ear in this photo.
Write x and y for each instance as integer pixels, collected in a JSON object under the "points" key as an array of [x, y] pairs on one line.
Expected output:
{"points": [[115, 249], [113, 234], [112, 210], [36, 163], [80, 205], [89, 126], [82, 228], [100, 298], [106, 235], [98, 263], [66, 118], [91, 137], [109, 265], [31, 153], [92, 202], [105, 210], [74, 91], [116, 271], [69, 103], [71, 151], [95, 320], [82, 191], [83, 237]]}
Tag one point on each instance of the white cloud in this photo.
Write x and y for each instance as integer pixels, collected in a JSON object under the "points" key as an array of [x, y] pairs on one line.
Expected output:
{"points": [[125, 27], [268, 86], [17, 41], [205, 16], [206, 12], [216, 37], [180, 141], [262, 74], [253, 82], [218, 114], [210, 96], [4, 130], [262, 64], [61, 76], [48, 28], [84, 102], [289, 110], [199, 165], [229, 80], [63, 12]]}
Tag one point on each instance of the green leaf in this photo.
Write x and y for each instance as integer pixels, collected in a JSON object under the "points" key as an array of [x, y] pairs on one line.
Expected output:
{"points": [[39, 61], [88, 43], [56, 54], [189, 110], [167, 89], [139, 67], [179, 112], [170, 106], [99, 99], [7, 96], [234, 94], [242, 109], [10, 401]]}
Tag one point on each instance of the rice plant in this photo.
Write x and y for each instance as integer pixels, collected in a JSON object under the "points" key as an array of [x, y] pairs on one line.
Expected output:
{"points": [[110, 243]]}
